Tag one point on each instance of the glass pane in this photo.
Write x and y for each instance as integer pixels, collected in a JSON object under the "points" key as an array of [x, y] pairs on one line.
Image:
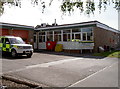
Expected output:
{"points": [[77, 36], [49, 32], [2, 40], [89, 30], [66, 31], [16, 40], [56, 37], [68, 37], [43, 38], [59, 38], [40, 39], [89, 36], [84, 36], [76, 30], [42, 33], [72, 36], [49, 37], [57, 32], [7, 41], [34, 38], [64, 37]]}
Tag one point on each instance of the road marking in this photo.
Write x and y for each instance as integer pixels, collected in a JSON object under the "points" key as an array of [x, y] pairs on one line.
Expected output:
{"points": [[54, 63], [92, 75]]}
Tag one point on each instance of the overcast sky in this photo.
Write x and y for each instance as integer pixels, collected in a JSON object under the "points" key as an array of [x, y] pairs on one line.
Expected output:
{"points": [[32, 16]]}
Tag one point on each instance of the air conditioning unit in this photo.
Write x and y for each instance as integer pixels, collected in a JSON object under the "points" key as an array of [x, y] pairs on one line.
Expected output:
{"points": [[43, 25]]}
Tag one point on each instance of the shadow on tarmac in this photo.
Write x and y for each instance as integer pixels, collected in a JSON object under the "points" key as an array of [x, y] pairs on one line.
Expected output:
{"points": [[8, 56]]}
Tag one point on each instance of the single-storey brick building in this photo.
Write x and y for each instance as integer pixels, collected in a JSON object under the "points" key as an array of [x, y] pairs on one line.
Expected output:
{"points": [[78, 37], [23, 31]]}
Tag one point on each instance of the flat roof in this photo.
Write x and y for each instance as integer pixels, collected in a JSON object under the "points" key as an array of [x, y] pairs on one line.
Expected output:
{"points": [[76, 25], [15, 26]]}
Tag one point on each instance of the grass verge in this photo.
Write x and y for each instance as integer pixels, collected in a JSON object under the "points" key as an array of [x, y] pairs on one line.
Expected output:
{"points": [[108, 54]]}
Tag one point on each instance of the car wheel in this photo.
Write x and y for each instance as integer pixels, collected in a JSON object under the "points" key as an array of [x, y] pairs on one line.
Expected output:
{"points": [[29, 55], [14, 53]]}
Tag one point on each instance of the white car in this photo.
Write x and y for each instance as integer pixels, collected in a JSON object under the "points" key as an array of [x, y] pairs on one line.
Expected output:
{"points": [[15, 45]]}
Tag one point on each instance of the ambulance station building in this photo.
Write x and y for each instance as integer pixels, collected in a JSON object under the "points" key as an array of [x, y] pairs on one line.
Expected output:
{"points": [[78, 37], [23, 31]]}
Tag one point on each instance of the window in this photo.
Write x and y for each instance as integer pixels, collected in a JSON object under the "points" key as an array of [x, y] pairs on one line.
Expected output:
{"points": [[66, 35], [76, 30], [16, 40], [87, 34], [49, 37], [84, 36], [2, 40], [66, 31], [57, 35], [42, 33], [7, 41], [34, 38], [42, 38], [88, 30], [77, 37]]}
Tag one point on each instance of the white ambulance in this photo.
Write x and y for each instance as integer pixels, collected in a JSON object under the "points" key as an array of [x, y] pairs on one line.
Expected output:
{"points": [[15, 46]]}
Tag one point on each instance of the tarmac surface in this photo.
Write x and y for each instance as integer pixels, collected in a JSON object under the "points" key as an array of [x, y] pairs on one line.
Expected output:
{"points": [[53, 70]]}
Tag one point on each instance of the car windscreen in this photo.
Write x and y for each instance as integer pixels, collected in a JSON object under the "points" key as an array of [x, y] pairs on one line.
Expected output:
{"points": [[16, 40]]}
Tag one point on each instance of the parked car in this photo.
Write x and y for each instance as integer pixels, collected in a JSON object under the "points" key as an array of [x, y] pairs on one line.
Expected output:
{"points": [[15, 46]]}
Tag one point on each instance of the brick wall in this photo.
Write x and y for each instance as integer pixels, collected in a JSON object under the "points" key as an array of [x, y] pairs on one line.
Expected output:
{"points": [[104, 38]]}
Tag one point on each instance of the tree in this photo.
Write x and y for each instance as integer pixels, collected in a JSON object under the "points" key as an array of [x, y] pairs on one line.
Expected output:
{"points": [[87, 6]]}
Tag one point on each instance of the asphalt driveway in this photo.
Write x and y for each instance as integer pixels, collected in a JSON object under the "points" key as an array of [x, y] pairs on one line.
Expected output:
{"points": [[55, 70]]}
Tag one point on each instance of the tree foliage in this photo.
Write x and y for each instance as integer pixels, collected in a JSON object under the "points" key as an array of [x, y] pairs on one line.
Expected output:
{"points": [[87, 6]]}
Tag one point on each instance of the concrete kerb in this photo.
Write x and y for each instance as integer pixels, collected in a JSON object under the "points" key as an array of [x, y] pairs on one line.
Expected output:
{"points": [[24, 82]]}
